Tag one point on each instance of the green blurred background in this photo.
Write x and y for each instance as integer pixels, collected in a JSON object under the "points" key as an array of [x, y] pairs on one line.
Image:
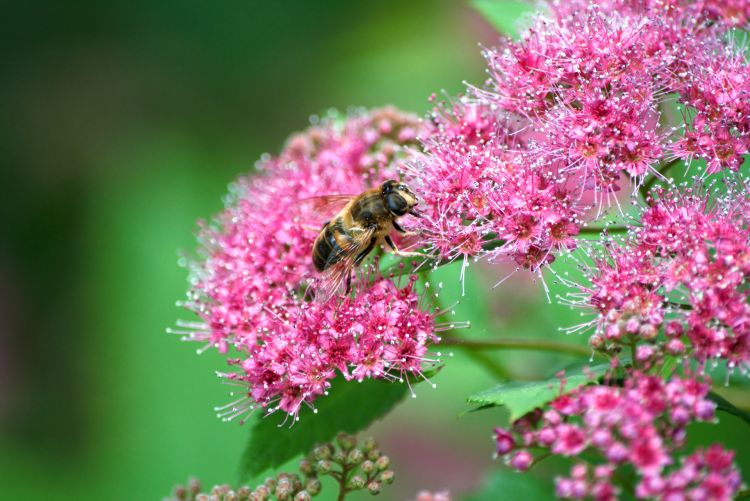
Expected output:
{"points": [[122, 124]]}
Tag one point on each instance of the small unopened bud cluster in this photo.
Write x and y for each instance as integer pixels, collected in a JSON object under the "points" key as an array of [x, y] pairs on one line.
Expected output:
{"points": [[223, 492], [353, 465]]}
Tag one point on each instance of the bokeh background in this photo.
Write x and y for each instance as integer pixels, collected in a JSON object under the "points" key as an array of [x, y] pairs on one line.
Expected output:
{"points": [[122, 124]]}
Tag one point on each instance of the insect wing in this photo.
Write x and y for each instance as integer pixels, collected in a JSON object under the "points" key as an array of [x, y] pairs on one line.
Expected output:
{"points": [[335, 276], [317, 209]]}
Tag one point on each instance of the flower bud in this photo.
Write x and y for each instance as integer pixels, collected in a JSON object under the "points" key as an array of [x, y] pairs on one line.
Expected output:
{"points": [[284, 488], [339, 457], [521, 460], [387, 477], [356, 456], [675, 347], [704, 410], [243, 493], [322, 452], [261, 493], [612, 331], [632, 325], [356, 482], [306, 468], [648, 331], [673, 329], [383, 462], [194, 486], [644, 353], [546, 436], [180, 492], [617, 453], [504, 441], [346, 441], [374, 488], [368, 467], [680, 416], [374, 454], [369, 444], [202, 497], [323, 466], [313, 486], [302, 496]]}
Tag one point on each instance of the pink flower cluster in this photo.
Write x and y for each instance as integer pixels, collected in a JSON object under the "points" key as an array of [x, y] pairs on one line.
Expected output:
{"points": [[715, 87], [730, 13], [706, 474], [513, 167], [684, 272], [642, 424], [382, 332], [588, 85], [685, 47], [482, 195], [256, 263]]}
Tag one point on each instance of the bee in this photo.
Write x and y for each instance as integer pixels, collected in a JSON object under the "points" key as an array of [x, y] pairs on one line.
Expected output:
{"points": [[365, 221]]}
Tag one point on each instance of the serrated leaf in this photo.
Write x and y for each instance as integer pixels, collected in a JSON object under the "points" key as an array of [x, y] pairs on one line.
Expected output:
{"points": [[502, 14], [506, 484], [725, 405], [522, 397], [350, 406]]}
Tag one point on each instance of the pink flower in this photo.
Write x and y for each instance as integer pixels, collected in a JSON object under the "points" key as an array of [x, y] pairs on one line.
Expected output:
{"points": [[688, 261], [484, 196], [504, 441], [641, 423], [706, 474], [571, 440], [521, 460], [248, 288]]}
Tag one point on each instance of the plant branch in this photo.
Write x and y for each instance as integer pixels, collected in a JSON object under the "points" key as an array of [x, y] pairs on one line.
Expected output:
{"points": [[342, 483], [515, 344], [608, 229]]}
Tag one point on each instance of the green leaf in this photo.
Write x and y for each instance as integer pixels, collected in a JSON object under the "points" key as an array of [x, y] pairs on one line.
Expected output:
{"points": [[350, 406], [506, 484], [725, 405], [522, 397], [502, 14]]}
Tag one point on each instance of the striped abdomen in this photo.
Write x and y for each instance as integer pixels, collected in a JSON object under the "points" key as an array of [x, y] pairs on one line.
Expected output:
{"points": [[326, 249]]}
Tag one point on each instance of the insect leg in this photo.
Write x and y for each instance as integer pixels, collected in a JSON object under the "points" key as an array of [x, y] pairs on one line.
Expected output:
{"points": [[401, 230], [362, 255], [392, 245]]}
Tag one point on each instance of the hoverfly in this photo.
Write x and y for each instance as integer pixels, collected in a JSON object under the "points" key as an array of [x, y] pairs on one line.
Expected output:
{"points": [[365, 221]]}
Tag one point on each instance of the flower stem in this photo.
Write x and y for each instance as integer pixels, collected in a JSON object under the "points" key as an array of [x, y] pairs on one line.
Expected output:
{"points": [[649, 183], [515, 344], [608, 229], [342, 483], [633, 351]]}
